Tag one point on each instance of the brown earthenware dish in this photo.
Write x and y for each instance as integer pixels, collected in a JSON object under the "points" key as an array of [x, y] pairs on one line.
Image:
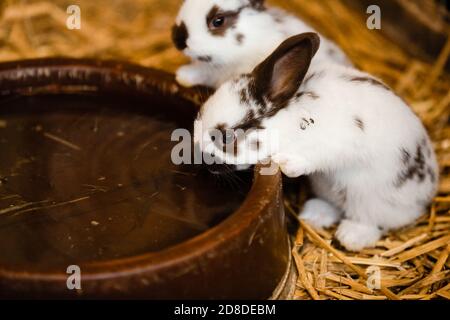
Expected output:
{"points": [[86, 179]]}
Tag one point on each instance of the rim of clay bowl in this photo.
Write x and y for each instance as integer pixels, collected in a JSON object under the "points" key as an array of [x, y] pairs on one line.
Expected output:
{"points": [[67, 75]]}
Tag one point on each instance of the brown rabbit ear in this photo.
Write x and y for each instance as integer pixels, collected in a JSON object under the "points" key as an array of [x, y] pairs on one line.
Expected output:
{"points": [[280, 75]]}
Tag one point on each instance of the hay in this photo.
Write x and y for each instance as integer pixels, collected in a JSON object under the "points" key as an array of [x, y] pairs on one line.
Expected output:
{"points": [[414, 262]]}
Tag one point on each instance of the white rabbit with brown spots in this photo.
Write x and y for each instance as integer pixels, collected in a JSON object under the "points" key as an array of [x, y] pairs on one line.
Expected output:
{"points": [[368, 156], [225, 38]]}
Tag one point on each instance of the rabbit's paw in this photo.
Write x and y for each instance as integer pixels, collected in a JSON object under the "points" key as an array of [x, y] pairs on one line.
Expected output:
{"points": [[320, 214], [190, 76], [291, 166], [355, 236]]}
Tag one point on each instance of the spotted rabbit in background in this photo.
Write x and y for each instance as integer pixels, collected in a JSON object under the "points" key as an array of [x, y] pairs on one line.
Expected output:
{"points": [[225, 38], [368, 156]]}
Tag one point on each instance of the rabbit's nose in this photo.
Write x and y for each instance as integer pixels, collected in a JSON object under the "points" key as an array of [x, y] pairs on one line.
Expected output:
{"points": [[180, 36]]}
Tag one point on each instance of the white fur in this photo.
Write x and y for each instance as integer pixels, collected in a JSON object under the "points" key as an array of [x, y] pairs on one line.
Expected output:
{"points": [[355, 235], [351, 168], [262, 34], [320, 213]]}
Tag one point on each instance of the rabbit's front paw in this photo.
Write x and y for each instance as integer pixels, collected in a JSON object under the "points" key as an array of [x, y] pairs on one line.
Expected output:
{"points": [[190, 76], [291, 166], [355, 236], [320, 214]]}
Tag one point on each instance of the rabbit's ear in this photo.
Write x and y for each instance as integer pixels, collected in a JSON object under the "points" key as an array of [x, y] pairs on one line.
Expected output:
{"points": [[280, 75]]}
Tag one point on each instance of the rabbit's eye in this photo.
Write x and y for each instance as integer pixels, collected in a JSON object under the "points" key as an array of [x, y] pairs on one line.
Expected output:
{"points": [[228, 137], [218, 21]]}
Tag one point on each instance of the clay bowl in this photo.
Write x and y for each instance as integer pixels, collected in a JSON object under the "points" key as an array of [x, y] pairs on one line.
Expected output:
{"points": [[86, 180]]}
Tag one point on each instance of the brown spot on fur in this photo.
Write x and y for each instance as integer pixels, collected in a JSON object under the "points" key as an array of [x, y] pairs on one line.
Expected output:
{"points": [[309, 94], [406, 156], [205, 58], [413, 168], [369, 80], [359, 123], [251, 121], [180, 35], [258, 4], [244, 98], [240, 38]]}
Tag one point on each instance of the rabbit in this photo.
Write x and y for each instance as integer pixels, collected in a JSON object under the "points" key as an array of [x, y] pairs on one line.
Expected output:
{"points": [[368, 156], [225, 38]]}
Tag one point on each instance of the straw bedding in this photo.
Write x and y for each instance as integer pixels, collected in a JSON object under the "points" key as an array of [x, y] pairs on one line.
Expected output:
{"points": [[413, 262]]}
